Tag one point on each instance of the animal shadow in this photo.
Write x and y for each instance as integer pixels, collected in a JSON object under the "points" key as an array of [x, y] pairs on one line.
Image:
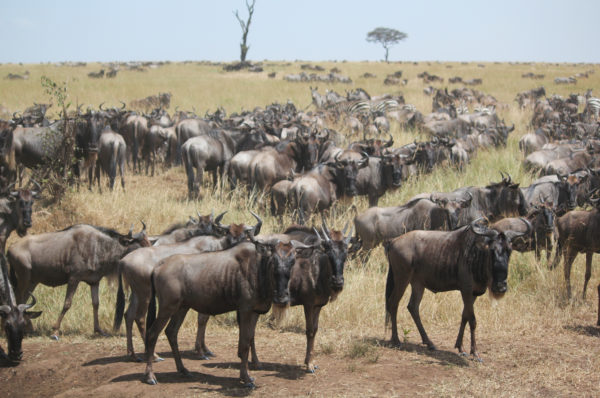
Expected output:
{"points": [[586, 330], [448, 358], [283, 371]]}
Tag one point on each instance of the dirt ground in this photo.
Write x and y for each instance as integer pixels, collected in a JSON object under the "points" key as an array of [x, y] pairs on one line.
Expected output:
{"points": [[528, 366]]}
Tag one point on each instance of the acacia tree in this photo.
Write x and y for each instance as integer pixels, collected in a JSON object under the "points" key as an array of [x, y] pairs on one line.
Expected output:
{"points": [[245, 25], [387, 37]]}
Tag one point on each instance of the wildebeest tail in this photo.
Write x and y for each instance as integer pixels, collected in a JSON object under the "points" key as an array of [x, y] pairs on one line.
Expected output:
{"points": [[151, 315], [120, 304]]}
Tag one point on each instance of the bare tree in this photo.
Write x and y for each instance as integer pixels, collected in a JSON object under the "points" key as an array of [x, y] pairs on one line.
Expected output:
{"points": [[387, 37], [245, 28]]}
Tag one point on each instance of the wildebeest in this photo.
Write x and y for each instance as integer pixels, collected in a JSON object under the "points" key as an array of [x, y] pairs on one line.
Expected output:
{"points": [[210, 152], [470, 259], [317, 277], [578, 232], [496, 200], [80, 253], [559, 190], [134, 130], [137, 267], [112, 154], [15, 213], [179, 232], [378, 224], [14, 316], [246, 278]]}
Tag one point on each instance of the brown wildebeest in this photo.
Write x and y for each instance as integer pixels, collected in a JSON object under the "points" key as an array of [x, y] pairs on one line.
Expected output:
{"points": [[245, 278], [80, 253], [14, 316], [137, 268], [578, 232], [317, 279], [471, 259]]}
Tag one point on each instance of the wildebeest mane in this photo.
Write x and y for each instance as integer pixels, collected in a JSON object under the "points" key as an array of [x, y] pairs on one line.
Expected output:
{"points": [[475, 259]]}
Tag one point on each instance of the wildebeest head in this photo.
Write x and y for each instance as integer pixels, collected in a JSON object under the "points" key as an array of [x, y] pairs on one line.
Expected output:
{"points": [[134, 241], [506, 198], [22, 202], [346, 173], [392, 170], [496, 247], [452, 208], [280, 258], [567, 190], [236, 233], [14, 319], [335, 246]]}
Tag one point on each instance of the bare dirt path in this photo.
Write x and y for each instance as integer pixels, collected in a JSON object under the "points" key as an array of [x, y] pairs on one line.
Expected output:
{"points": [[551, 364]]}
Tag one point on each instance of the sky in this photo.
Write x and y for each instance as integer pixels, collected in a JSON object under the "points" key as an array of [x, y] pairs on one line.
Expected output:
{"points": [[33, 31]]}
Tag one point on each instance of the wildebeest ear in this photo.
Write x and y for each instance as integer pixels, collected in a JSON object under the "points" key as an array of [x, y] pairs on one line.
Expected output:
{"points": [[32, 314]]}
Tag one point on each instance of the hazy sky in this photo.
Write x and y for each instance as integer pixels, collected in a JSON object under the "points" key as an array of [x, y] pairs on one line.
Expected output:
{"points": [[34, 31]]}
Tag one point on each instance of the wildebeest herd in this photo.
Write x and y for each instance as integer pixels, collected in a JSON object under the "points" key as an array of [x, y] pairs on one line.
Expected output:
{"points": [[460, 240]]}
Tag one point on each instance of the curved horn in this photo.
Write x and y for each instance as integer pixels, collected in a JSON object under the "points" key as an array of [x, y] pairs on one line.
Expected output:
{"points": [[218, 220], [256, 229], [25, 307], [326, 230], [124, 105], [102, 109], [130, 233], [390, 142]]}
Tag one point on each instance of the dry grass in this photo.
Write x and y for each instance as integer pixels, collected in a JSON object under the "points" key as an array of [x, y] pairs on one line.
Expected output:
{"points": [[542, 341]]}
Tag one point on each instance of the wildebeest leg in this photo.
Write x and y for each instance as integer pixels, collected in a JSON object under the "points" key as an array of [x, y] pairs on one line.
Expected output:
{"points": [[413, 308], [121, 167], [95, 304], [391, 305], [71, 288], [311, 314], [570, 255], [247, 322], [139, 306], [588, 271], [98, 178], [468, 315], [129, 319], [598, 323], [200, 347], [164, 314], [171, 332]]}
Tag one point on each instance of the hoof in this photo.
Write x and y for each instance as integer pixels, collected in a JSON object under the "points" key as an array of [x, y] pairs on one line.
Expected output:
{"points": [[478, 360], [101, 333], [203, 357], [395, 343], [158, 359], [250, 385], [54, 337], [431, 347], [185, 373], [462, 354], [151, 380], [209, 353]]}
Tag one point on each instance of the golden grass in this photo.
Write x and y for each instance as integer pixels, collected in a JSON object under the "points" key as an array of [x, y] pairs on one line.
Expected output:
{"points": [[534, 308]]}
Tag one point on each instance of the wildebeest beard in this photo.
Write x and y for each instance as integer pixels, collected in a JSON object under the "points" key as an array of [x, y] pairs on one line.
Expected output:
{"points": [[478, 261]]}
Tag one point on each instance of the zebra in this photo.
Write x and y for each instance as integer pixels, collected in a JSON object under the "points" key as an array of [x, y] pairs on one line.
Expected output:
{"points": [[592, 106]]}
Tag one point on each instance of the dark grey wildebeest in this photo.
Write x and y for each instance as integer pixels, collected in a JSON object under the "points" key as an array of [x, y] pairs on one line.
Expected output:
{"points": [[14, 316], [80, 253], [378, 224], [112, 154], [470, 259], [15, 213], [246, 278]]}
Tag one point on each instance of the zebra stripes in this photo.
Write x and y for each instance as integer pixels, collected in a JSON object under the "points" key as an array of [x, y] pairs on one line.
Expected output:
{"points": [[593, 106], [368, 107]]}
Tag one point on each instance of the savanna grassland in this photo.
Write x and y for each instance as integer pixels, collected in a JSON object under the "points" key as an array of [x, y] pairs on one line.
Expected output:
{"points": [[534, 342]]}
